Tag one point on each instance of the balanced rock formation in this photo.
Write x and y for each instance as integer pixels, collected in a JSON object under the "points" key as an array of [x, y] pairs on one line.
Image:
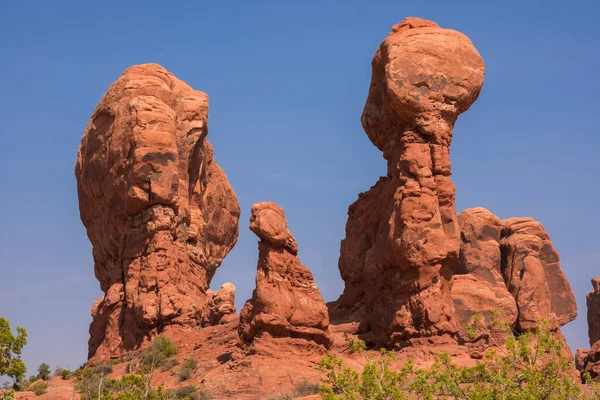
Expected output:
{"points": [[158, 210], [286, 302], [589, 360], [402, 236], [512, 267]]}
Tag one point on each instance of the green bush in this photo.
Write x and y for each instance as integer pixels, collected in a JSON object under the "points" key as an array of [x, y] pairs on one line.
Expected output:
{"points": [[6, 393], [128, 387], [305, 388], [77, 373], [185, 391], [115, 361], [65, 374], [529, 366], [169, 364], [187, 369], [44, 371], [11, 347], [157, 354], [189, 392], [39, 388], [131, 367]]}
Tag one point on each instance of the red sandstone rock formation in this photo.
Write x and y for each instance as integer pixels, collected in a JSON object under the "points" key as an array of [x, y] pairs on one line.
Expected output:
{"points": [[158, 210], [402, 236], [531, 270], [286, 302], [510, 266], [593, 311], [589, 360], [479, 286]]}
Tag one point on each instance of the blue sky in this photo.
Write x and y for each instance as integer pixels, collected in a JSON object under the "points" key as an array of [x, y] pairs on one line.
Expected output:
{"points": [[287, 81]]}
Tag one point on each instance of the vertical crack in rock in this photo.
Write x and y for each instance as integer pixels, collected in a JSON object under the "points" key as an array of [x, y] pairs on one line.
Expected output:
{"points": [[158, 210]]}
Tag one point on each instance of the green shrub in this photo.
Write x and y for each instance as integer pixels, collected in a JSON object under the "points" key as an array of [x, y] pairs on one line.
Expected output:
{"points": [[305, 388], [128, 387], [116, 361], [101, 369], [131, 367], [187, 369], [62, 372], [6, 393], [77, 373], [185, 391], [44, 371], [529, 366], [189, 392], [65, 374], [157, 354], [39, 388], [169, 364], [11, 347]]}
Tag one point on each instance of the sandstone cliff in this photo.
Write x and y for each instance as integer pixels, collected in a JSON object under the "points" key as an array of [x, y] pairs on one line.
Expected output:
{"points": [[158, 210]]}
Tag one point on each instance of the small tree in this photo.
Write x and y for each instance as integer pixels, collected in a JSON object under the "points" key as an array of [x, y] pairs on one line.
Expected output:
{"points": [[44, 371], [155, 356], [11, 347]]}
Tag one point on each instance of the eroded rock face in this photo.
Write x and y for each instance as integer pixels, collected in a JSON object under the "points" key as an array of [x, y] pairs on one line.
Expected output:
{"points": [[532, 273], [512, 267], [158, 210], [593, 311], [589, 360], [220, 304], [402, 236], [286, 302]]}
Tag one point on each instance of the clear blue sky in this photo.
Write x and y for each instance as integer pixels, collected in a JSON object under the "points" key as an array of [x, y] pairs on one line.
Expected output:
{"points": [[287, 81]]}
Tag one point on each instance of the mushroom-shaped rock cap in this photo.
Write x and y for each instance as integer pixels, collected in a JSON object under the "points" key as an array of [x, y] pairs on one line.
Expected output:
{"points": [[268, 223], [424, 76]]}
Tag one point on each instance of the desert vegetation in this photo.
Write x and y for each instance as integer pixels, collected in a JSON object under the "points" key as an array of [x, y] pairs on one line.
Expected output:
{"points": [[528, 366], [11, 365]]}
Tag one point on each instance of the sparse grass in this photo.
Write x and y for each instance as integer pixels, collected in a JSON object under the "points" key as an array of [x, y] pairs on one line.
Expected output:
{"points": [[169, 364], [190, 392], [187, 369], [304, 388]]}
